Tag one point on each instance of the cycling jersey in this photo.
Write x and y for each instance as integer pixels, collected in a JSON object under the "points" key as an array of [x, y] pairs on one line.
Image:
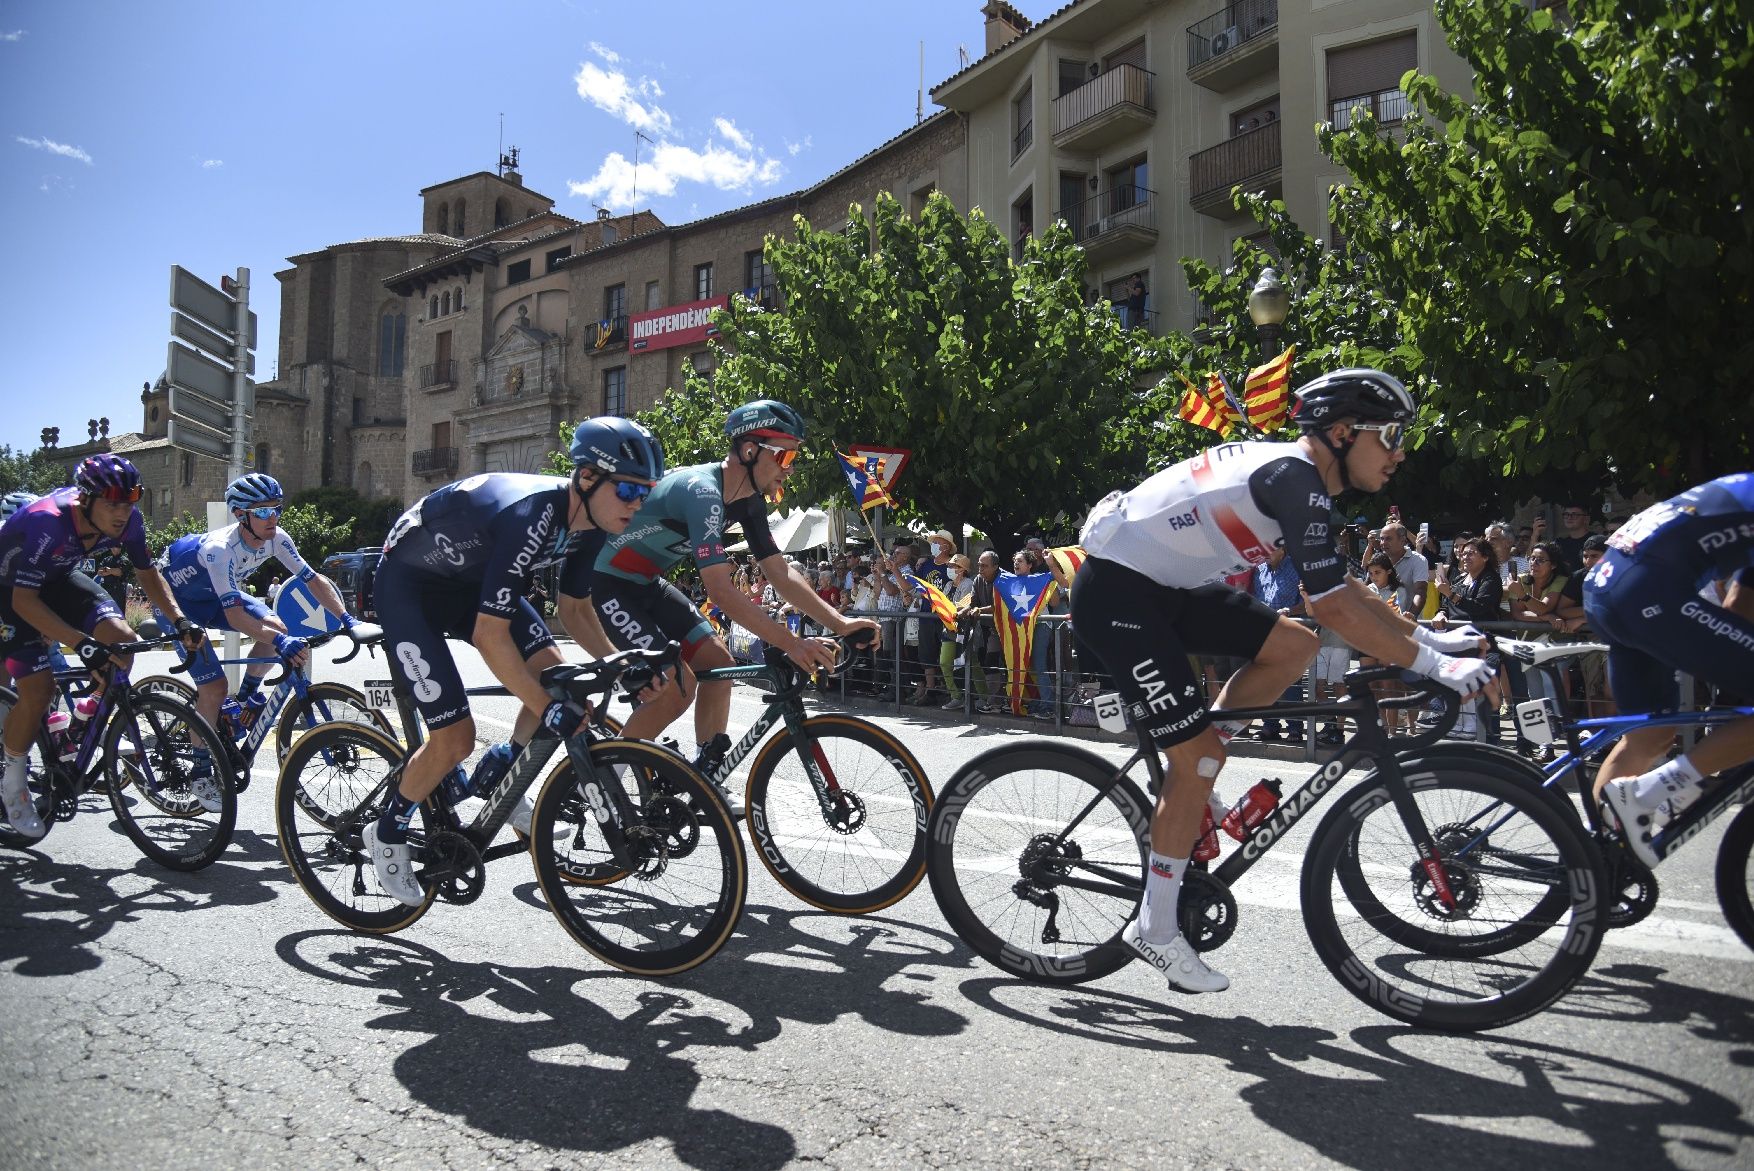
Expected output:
{"points": [[686, 516], [495, 530], [40, 543], [1217, 514], [1702, 535], [207, 570]]}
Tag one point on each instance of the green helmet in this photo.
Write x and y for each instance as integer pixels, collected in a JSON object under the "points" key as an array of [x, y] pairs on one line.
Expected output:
{"points": [[762, 418]]}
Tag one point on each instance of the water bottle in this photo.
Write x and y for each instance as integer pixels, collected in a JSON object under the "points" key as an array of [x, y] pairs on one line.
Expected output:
{"points": [[456, 785], [253, 707], [1206, 845], [231, 716], [1253, 809], [65, 746], [492, 768]]}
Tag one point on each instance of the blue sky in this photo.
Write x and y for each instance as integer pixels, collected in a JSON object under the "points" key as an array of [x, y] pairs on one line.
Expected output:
{"points": [[219, 136]]}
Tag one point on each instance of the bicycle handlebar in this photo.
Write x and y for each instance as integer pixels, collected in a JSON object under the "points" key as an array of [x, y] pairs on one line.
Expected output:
{"points": [[370, 639], [633, 669], [1423, 691]]}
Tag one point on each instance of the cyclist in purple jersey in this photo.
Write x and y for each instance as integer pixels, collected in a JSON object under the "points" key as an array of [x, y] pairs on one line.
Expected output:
{"points": [[43, 596], [1152, 590], [1645, 599]]}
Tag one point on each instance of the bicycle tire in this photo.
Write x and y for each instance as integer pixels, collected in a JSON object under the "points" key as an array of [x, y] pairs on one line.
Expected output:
{"points": [[1735, 877], [877, 855], [165, 685], [1433, 985], [676, 910], [993, 827], [149, 747], [325, 703], [321, 806]]}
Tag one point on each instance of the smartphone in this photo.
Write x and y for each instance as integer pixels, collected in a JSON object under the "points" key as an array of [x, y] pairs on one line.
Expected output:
{"points": [[1425, 528]]}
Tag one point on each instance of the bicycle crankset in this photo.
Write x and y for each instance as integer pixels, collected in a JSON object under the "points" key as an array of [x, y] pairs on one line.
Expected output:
{"points": [[453, 868], [1207, 911], [672, 818], [1634, 887]]}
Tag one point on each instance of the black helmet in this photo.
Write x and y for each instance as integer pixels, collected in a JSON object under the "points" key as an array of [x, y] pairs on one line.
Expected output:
{"points": [[1364, 395]]}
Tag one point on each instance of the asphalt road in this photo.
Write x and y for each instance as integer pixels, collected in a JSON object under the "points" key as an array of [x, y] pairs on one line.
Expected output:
{"points": [[151, 1019]]}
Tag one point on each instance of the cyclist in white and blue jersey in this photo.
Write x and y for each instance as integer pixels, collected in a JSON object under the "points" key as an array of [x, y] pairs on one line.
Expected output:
{"points": [[458, 565], [1644, 598], [207, 571]]}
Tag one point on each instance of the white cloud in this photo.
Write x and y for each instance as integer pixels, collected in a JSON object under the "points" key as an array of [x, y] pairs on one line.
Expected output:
{"points": [[53, 147], [792, 148], [728, 129], [211, 164], [608, 54], [610, 91], [670, 165], [17, 35]]}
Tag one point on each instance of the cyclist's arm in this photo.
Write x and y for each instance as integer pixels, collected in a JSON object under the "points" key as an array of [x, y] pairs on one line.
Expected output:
{"points": [[247, 624], [327, 595], [322, 589], [578, 617], [493, 638], [1367, 625]]}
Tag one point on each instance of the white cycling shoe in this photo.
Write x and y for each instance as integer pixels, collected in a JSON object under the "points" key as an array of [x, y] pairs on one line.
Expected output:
{"points": [[1180, 964], [394, 863], [1636, 822], [21, 810], [522, 814]]}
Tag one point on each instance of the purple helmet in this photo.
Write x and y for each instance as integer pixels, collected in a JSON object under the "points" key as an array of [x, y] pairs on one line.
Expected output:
{"points": [[108, 476]]}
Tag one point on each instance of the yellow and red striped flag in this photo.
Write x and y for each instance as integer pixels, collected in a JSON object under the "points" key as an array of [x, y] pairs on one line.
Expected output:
{"points": [[941, 607], [1223, 400], [1197, 409], [1267, 392]]}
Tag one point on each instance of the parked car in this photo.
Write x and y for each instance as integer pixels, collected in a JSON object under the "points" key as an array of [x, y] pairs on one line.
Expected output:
{"points": [[353, 574]]}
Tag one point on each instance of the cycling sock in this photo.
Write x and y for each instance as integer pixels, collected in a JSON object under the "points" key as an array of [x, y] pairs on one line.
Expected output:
{"points": [[1677, 778], [248, 687], [1163, 892], [15, 772], [393, 825], [1229, 728]]}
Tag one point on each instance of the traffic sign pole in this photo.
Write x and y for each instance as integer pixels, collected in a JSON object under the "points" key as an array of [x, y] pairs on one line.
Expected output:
{"points": [[240, 378]]}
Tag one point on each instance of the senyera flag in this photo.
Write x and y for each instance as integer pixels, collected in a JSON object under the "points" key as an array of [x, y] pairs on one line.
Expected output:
{"points": [[864, 477], [941, 607], [1267, 392], [1197, 409]]}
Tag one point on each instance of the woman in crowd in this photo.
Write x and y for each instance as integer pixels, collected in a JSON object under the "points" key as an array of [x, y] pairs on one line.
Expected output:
{"points": [[1473, 596]]}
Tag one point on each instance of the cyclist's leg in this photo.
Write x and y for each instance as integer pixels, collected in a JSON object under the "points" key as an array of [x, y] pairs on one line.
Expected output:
{"points": [[424, 611], [536, 643], [261, 648], [204, 669], [646, 615]]}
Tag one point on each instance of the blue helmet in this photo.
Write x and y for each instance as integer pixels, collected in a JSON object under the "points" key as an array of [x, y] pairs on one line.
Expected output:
{"points": [[251, 490], [618, 447], [13, 502]]}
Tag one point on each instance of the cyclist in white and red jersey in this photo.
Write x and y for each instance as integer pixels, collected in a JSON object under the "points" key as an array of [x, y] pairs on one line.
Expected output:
{"points": [[1152, 591]]}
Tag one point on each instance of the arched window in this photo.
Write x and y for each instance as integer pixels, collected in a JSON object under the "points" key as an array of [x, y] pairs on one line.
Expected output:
{"points": [[502, 213], [457, 215], [444, 219], [262, 458], [433, 311], [457, 299], [362, 480], [446, 303]]}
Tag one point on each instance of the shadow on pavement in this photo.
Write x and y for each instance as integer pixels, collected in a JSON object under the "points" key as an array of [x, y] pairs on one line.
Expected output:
{"points": [[573, 1074]]}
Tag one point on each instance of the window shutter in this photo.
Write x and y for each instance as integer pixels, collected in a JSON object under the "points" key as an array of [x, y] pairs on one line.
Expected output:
{"points": [[1371, 68], [1133, 54]]}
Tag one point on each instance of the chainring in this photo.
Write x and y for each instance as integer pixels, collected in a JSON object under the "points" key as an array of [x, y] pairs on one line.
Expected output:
{"points": [[453, 868], [1207, 911], [674, 820], [1634, 887]]}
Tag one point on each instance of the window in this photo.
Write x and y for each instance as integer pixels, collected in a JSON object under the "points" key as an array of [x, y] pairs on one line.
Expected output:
{"points": [[444, 219], [1133, 54], [1072, 75], [703, 281], [653, 300], [615, 391], [457, 216], [558, 255], [1023, 215], [759, 272], [1369, 75], [502, 213], [358, 410], [432, 309], [458, 301], [445, 303], [1022, 120], [392, 337], [614, 302], [916, 200], [262, 456], [1128, 186], [517, 273], [441, 435], [188, 469]]}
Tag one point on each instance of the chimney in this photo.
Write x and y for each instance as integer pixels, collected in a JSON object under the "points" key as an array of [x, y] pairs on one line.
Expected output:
{"points": [[1004, 24]]}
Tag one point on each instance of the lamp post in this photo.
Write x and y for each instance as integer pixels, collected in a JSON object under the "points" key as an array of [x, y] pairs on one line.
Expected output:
{"points": [[1268, 305]]}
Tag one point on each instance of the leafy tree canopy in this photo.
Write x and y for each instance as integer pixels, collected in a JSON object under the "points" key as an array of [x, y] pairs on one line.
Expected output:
{"points": [[28, 471]]}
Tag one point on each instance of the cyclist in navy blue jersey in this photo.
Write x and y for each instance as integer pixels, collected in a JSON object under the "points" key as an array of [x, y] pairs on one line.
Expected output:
{"points": [[458, 564], [1648, 599], [43, 597]]}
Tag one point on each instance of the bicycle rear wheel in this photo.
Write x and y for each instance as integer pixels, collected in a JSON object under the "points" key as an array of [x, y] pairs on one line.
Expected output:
{"points": [[151, 750], [681, 898], [333, 783], [325, 703], [1503, 949], [866, 852], [1735, 875], [1022, 886]]}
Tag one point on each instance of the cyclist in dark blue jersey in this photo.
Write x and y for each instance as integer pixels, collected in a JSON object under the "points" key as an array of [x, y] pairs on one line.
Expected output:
{"points": [[458, 565], [686, 518], [43, 597], [1649, 599]]}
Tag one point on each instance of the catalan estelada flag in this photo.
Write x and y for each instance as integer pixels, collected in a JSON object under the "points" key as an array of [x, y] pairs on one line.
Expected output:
{"points": [[941, 607], [1018, 600], [1197, 409], [863, 476], [1267, 392]]}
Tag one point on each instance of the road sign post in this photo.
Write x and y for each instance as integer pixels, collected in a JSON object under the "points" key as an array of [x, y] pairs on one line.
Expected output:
{"points": [[211, 395]]}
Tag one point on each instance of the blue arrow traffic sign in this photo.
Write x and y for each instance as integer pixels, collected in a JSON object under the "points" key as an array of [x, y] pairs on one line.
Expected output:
{"points": [[304, 616]]}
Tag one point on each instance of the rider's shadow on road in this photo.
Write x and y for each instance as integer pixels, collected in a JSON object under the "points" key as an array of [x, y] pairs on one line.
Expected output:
{"points": [[1389, 1096], [569, 1072], [1638, 992]]}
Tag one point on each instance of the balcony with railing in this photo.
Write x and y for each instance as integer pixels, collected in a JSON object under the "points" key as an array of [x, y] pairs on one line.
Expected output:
{"points": [[1238, 42], [1253, 159], [438, 375], [1105, 109], [609, 334], [435, 461], [1120, 220], [1021, 140], [1389, 106]]}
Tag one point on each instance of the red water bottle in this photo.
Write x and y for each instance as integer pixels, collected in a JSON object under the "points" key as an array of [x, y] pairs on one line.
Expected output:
{"points": [[1206, 845], [1253, 809]]}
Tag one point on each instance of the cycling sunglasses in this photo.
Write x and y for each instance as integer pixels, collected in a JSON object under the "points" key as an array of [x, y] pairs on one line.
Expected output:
{"points": [[1391, 434], [122, 495], [631, 491], [783, 456], [265, 512]]}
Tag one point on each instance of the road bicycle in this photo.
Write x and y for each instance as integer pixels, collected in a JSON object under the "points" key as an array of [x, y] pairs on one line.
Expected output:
{"points": [[1632, 887], [837, 806], [634, 853], [141, 749], [1037, 849]]}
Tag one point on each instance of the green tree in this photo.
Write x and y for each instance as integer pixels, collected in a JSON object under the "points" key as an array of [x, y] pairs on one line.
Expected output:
{"points": [[338, 519], [159, 537], [1570, 247], [317, 532], [1020, 402], [28, 471]]}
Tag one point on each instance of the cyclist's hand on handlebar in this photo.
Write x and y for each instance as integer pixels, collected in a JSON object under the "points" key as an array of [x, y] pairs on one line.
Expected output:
{"points": [[294, 650], [863, 634], [362, 631], [814, 654], [92, 653], [193, 636], [564, 718], [1463, 640], [1467, 677]]}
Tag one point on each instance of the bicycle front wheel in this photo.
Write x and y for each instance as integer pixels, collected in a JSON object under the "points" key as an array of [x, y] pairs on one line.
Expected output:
{"points": [[1500, 947], [680, 893], [1025, 887], [154, 749], [860, 844], [325, 703], [1735, 875], [333, 783]]}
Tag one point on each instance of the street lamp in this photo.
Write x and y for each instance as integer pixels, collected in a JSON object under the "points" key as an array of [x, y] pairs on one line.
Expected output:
{"points": [[1268, 305]]}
